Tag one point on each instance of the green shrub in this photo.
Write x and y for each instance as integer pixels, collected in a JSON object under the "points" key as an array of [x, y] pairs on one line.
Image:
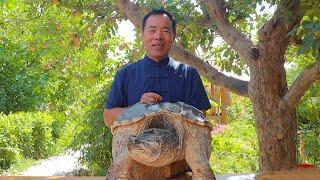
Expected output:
{"points": [[58, 126], [236, 149], [26, 135], [42, 138], [8, 141]]}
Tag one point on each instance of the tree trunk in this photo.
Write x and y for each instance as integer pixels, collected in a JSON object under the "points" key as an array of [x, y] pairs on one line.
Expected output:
{"points": [[275, 121]]}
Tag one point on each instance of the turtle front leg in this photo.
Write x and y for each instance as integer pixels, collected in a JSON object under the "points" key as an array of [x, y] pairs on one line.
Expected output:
{"points": [[198, 149], [122, 164], [121, 169]]}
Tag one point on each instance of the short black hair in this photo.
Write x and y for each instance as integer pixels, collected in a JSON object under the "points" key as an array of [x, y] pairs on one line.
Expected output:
{"points": [[156, 12]]}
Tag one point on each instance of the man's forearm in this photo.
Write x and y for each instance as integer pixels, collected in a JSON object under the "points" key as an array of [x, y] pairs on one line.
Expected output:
{"points": [[110, 115]]}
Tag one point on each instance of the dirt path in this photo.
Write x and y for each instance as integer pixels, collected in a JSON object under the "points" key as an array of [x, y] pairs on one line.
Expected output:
{"points": [[61, 165]]}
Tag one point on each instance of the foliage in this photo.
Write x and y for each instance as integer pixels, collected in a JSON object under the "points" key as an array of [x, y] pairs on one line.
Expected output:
{"points": [[310, 138], [236, 149], [61, 51], [308, 30], [308, 114], [241, 108], [235, 146], [25, 134], [19, 77], [46, 49], [308, 111], [94, 139]]}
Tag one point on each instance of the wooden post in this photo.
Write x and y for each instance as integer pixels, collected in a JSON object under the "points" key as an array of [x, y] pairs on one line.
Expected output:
{"points": [[215, 96], [225, 102], [225, 97]]}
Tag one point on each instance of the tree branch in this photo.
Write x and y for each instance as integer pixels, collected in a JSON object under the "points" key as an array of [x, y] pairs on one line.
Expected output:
{"points": [[234, 85], [132, 11], [301, 84], [213, 75], [237, 40], [283, 21]]}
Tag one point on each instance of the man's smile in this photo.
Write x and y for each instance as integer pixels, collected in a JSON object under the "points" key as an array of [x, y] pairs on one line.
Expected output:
{"points": [[157, 45]]}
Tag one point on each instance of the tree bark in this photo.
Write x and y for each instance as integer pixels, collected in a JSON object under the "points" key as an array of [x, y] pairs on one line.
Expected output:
{"points": [[275, 120], [275, 117]]}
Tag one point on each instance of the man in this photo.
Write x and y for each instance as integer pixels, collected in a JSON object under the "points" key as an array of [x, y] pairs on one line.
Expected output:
{"points": [[156, 77]]}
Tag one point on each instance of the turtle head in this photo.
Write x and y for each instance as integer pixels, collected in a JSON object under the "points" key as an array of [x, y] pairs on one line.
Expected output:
{"points": [[152, 146], [149, 144]]}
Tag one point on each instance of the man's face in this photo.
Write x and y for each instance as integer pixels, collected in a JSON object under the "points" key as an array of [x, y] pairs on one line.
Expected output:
{"points": [[157, 36]]}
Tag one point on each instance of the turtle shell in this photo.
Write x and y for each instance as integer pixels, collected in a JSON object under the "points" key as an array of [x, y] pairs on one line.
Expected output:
{"points": [[139, 111]]}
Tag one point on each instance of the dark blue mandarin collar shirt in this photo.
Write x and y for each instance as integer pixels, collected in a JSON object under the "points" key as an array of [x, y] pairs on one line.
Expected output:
{"points": [[170, 79]]}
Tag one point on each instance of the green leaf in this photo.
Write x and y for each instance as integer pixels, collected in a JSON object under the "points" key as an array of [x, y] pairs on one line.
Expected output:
{"points": [[301, 50], [169, 1], [308, 24], [308, 40]]}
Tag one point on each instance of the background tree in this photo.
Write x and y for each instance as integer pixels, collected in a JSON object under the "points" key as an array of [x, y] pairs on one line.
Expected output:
{"points": [[56, 57]]}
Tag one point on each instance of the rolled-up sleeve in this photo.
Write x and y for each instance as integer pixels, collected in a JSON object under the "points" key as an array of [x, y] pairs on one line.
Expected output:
{"points": [[116, 96], [199, 98]]}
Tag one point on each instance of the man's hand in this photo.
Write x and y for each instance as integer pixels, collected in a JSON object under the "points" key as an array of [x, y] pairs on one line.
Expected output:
{"points": [[150, 97], [110, 115]]}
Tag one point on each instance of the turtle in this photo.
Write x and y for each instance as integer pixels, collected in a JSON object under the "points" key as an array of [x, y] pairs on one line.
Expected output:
{"points": [[159, 134]]}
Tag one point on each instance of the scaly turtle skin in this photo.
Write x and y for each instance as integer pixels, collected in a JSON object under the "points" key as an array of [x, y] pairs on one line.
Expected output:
{"points": [[158, 135]]}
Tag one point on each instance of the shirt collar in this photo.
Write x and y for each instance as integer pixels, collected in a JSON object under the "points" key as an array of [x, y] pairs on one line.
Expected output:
{"points": [[162, 62]]}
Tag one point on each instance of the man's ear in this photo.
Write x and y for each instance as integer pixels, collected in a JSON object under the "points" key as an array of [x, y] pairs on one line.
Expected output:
{"points": [[142, 41]]}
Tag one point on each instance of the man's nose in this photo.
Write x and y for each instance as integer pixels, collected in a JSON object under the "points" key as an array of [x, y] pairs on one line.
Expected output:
{"points": [[158, 35]]}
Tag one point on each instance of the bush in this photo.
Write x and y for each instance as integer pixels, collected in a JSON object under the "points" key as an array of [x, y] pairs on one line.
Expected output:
{"points": [[26, 134], [58, 126], [8, 142], [42, 137], [236, 149]]}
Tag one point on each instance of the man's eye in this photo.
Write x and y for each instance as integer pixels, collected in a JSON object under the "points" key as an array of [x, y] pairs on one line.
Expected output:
{"points": [[152, 31]]}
